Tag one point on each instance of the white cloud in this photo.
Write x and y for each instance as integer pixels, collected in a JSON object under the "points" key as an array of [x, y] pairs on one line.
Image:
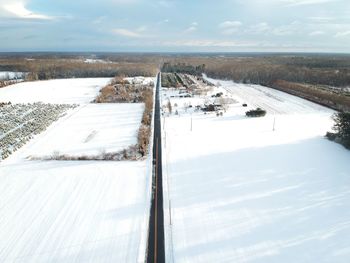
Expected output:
{"points": [[260, 28], [165, 21], [290, 29], [230, 27], [343, 34], [317, 33], [228, 24], [142, 29], [18, 9], [126, 33], [99, 20], [192, 27], [166, 3], [321, 19], [283, 31], [306, 2], [123, 2], [208, 43]]}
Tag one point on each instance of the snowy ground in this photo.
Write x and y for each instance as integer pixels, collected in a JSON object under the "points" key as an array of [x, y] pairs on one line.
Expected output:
{"points": [[75, 211], [90, 130], [141, 80], [273, 101], [93, 61], [54, 91], [237, 191]]}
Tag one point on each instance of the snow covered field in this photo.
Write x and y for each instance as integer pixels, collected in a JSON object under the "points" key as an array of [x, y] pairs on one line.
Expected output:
{"points": [[239, 191], [54, 91], [75, 211], [90, 130]]}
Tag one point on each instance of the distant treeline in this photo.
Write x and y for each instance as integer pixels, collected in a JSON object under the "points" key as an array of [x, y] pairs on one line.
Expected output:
{"points": [[332, 70], [41, 69], [264, 72]]}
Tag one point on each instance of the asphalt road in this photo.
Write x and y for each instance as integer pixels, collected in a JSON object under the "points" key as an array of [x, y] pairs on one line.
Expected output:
{"points": [[155, 250]]}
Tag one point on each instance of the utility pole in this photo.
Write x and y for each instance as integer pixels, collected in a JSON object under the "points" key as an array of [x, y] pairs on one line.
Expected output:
{"points": [[191, 121]]}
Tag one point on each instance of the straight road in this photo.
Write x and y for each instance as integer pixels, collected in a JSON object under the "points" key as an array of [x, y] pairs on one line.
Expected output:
{"points": [[155, 250]]}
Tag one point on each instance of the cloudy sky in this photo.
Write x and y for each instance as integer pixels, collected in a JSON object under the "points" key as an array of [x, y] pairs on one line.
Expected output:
{"points": [[175, 25]]}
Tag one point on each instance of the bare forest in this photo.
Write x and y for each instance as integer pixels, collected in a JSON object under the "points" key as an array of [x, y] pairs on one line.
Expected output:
{"points": [[321, 78]]}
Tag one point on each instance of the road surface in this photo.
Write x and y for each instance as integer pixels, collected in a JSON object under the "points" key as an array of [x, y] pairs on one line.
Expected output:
{"points": [[156, 225]]}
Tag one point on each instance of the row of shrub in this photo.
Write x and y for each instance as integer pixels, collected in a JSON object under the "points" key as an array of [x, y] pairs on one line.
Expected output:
{"points": [[335, 99], [144, 133]]}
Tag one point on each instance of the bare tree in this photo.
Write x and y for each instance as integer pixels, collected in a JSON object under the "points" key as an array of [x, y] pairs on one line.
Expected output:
{"points": [[170, 109]]}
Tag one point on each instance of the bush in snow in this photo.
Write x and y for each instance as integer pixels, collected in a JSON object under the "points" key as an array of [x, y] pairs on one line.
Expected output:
{"points": [[341, 128], [170, 108], [258, 112]]}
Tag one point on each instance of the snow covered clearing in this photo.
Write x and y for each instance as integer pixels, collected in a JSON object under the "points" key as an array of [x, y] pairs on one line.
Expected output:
{"points": [[94, 61], [90, 130], [75, 211], [140, 80], [63, 91], [238, 190], [34, 111]]}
